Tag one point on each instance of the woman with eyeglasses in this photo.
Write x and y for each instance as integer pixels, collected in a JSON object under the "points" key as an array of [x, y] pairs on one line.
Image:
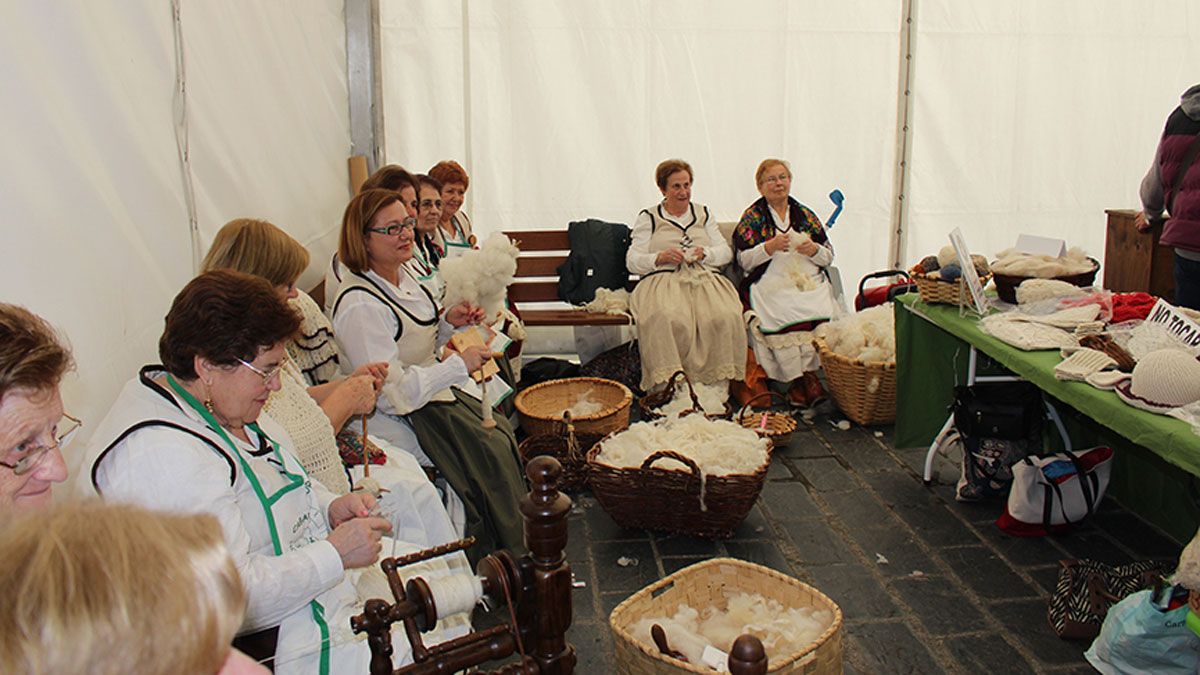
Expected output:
{"points": [[188, 436], [779, 241], [387, 177], [318, 407], [33, 428], [688, 315], [382, 313], [453, 235]]}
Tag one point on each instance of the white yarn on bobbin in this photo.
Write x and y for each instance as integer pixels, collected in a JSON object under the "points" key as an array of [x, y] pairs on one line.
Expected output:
{"points": [[455, 593]]}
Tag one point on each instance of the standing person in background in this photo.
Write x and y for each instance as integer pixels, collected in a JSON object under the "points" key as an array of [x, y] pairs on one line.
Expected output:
{"points": [[455, 234], [33, 427], [1173, 184]]}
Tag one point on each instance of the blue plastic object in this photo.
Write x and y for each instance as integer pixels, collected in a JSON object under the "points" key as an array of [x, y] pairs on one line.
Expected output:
{"points": [[837, 198]]}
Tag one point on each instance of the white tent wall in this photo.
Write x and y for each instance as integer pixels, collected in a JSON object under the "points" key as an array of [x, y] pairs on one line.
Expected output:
{"points": [[561, 110], [95, 232], [1036, 116]]}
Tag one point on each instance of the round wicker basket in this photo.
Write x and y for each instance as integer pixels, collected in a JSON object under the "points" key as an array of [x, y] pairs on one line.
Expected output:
{"points": [[650, 406], [776, 427], [540, 407], [709, 584], [864, 391]]}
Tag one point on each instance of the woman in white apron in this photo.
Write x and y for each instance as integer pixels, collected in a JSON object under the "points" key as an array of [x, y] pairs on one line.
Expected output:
{"points": [[783, 250], [688, 315], [455, 234], [383, 314], [316, 413], [188, 436]]}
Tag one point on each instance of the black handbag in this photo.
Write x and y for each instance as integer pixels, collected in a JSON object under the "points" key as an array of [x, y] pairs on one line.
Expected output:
{"points": [[1003, 410]]}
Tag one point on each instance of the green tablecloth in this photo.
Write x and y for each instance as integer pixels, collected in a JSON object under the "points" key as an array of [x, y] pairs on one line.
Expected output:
{"points": [[1157, 455]]}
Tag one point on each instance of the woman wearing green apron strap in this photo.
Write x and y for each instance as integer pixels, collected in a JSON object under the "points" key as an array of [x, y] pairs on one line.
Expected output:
{"points": [[454, 234], [188, 436], [383, 314], [426, 253]]}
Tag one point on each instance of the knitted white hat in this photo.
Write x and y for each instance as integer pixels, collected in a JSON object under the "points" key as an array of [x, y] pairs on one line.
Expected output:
{"points": [[1162, 381]]}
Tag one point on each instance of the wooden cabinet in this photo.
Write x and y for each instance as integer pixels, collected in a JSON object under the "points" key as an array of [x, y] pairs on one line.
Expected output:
{"points": [[1133, 261]]}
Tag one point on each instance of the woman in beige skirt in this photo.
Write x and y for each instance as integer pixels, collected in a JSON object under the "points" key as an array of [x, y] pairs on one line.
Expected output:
{"points": [[689, 317]]}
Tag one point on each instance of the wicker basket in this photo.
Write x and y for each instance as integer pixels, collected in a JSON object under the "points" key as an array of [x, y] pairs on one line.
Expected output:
{"points": [[708, 584], [1006, 284], [779, 426], [568, 447], [864, 391], [668, 500], [650, 405], [946, 292], [540, 407]]}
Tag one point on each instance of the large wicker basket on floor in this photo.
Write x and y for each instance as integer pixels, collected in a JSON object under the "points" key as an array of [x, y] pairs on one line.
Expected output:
{"points": [[946, 292], [669, 500], [864, 391], [540, 407], [566, 445], [709, 584]]}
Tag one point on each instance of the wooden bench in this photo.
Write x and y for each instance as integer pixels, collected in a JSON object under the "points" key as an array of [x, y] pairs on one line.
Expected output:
{"points": [[542, 251]]}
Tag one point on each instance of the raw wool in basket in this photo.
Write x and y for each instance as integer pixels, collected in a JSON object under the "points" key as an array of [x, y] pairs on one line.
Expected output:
{"points": [[609, 301], [585, 405], [718, 447], [482, 276], [783, 631], [1012, 262], [1034, 290], [866, 336], [712, 399]]}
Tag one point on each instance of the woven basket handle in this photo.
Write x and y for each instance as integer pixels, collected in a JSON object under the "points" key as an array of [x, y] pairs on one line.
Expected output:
{"points": [[573, 452], [691, 390], [750, 404], [671, 454]]}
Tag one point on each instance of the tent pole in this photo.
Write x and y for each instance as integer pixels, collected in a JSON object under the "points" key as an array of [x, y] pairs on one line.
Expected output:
{"points": [[466, 45], [898, 239]]}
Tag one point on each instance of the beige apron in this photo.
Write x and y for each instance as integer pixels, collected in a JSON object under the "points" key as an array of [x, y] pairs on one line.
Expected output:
{"points": [[689, 318]]}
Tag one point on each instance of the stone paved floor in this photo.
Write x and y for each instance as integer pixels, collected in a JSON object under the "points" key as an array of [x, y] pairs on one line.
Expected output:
{"points": [[956, 594]]}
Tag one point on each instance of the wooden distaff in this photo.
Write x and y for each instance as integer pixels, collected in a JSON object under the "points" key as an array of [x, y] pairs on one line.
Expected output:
{"points": [[366, 452]]}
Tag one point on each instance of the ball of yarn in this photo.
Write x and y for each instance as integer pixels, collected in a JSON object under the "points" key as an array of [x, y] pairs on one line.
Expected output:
{"points": [[930, 264], [946, 255], [951, 272], [981, 264]]}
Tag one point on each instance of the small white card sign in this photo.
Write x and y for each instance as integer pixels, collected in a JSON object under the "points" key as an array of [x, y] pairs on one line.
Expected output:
{"points": [[968, 271], [1035, 245], [1175, 321]]}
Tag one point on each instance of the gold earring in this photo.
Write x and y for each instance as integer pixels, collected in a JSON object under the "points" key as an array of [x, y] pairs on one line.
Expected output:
{"points": [[208, 405]]}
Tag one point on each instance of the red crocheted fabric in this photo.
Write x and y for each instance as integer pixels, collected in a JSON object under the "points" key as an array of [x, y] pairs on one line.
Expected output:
{"points": [[1130, 306]]}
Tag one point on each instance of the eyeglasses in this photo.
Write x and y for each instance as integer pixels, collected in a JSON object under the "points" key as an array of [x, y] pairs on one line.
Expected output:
{"points": [[394, 229], [781, 178], [32, 458], [267, 375]]}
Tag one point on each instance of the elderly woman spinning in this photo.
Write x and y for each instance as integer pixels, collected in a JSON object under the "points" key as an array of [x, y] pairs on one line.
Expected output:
{"points": [[383, 314], [688, 315], [784, 251], [188, 436], [33, 428]]}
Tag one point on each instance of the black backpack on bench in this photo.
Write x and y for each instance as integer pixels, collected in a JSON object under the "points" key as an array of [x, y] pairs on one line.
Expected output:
{"points": [[596, 260], [999, 424]]}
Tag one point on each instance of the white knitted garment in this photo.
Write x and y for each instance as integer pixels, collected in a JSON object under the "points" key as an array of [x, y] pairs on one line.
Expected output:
{"points": [[1025, 334], [313, 440], [314, 350]]}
